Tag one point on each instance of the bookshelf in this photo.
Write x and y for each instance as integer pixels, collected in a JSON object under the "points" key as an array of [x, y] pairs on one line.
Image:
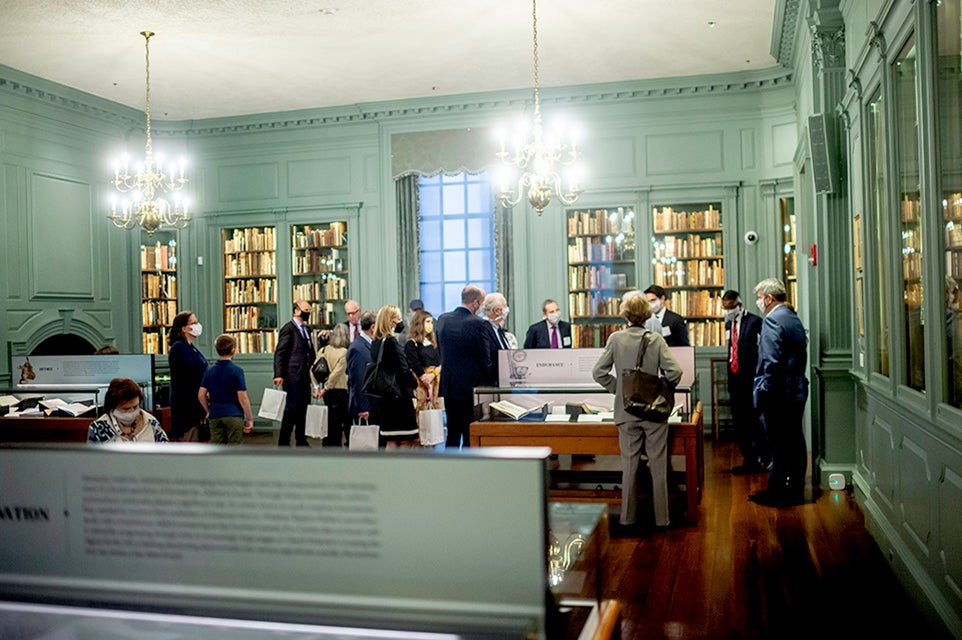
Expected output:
{"points": [[688, 261], [250, 288], [158, 291], [789, 260], [319, 270], [601, 268]]}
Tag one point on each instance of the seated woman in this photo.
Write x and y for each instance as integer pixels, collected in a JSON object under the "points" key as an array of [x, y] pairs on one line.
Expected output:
{"points": [[124, 419]]}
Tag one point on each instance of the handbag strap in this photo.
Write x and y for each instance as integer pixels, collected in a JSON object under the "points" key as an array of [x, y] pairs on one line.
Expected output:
{"points": [[642, 348]]}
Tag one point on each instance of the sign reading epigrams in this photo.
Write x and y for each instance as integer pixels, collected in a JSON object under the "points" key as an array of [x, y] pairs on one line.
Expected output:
{"points": [[176, 518]]}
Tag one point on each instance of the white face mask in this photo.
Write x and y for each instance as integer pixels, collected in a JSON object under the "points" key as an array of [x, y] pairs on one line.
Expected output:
{"points": [[126, 417], [761, 304], [195, 329], [553, 318], [655, 305], [732, 314], [504, 312]]}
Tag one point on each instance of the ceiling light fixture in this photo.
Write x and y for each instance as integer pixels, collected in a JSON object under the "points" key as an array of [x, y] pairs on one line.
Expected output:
{"points": [[146, 207], [537, 158]]}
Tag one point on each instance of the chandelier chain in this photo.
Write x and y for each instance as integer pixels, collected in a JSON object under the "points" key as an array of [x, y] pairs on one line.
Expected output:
{"points": [[534, 22], [147, 35]]}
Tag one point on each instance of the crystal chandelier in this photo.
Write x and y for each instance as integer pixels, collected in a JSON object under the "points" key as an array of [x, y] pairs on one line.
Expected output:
{"points": [[537, 158], [146, 207]]}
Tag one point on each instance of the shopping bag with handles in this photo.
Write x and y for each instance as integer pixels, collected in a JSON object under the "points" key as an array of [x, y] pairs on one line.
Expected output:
{"points": [[431, 427], [272, 404], [315, 424], [364, 437]]}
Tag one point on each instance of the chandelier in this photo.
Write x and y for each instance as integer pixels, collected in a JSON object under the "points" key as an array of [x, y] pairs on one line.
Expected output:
{"points": [[146, 207], [538, 157]]}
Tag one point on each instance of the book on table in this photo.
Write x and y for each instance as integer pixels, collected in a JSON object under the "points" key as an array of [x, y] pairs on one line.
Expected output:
{"points": [[519, 409], [59, 407]]}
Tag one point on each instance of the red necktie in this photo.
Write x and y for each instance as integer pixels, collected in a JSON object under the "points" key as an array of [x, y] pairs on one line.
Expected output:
{"points": [[735, 347], [554, 337]]}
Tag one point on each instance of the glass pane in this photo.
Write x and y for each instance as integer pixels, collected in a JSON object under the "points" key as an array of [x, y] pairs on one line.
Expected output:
{"points": [[455, 267], [878, 186], [480, 233], [480, 266], [433, 297], [910, 215], [431, 267], [950, 142], [425, 181], [429, 200], [454, 234], [430, 233], [452, 295], [454, 199], [452, 178], [479, 198]]}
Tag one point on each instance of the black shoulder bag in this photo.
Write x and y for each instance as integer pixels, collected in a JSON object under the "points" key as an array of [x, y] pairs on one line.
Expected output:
{"points": [[378, 381], [645, 395], [321, 368]]}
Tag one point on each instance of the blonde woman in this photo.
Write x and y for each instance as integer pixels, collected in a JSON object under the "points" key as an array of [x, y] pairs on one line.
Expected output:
{"points": [[635, 435], [421, 351], [393, 411]]}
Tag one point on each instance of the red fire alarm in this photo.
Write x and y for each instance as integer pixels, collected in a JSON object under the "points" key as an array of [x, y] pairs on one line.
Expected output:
{"points": [[813, 256]]}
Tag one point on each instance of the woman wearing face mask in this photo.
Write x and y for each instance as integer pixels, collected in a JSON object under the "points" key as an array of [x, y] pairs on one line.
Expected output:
{"points": [[187, 367], [395, 414], [421, 351], [124, 419]]}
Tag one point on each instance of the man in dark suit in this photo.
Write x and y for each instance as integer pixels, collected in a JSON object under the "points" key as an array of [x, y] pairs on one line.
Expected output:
{"points": [[494, 308], [293, 358], [550, 333], [358, 357], [743, 330], [781, 390], [673, 328], [463, 343], [353, 312]]}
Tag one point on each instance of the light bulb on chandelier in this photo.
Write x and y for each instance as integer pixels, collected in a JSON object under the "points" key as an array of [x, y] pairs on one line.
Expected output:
{"points": [[145, 206], [538, 157]]}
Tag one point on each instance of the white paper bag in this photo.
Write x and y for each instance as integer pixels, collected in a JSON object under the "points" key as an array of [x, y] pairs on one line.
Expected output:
{"points": [[315, 425], [364, 437], [272, 404], [431, 427]]}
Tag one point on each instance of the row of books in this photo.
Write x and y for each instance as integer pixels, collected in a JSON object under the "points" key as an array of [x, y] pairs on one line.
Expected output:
{"points": [[953, 207], [158, 285], [700, 304], [596, 277], [158, 256], [256, 341], [707, 334], [704, 273], [953, 264], [911, 265], [692, 246], [155, 342], [250, 264], [158, 312], [313, 262], [910, 210], [326, 289], [322, 314], [593, 335], [249, 318], [953, 236], [333, 236], [253, 291], [251, 239], [601, 221], [594, 304], [667, 219], [594, 250]]}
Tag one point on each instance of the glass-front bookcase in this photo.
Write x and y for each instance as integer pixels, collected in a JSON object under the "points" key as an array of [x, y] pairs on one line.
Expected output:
{"points": [[601, 268], [688, 262], [158, 290], [319, 270], [250, 288]]}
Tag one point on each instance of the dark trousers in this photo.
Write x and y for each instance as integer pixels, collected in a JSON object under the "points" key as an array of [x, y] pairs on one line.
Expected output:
{"points": [[783, 423], [295, 414], [749, 432], [338, 418], [460, 414]]}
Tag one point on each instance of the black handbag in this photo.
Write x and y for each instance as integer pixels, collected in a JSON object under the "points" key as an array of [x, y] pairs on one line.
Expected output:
{"points": [[321, 369], [378, 381], [645, 395]]}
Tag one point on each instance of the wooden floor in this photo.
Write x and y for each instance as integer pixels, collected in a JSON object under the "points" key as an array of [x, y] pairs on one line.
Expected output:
{"points": [[747, 571]]}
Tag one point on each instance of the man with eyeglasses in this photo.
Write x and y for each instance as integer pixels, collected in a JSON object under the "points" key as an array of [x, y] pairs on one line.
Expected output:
{"points": [[353, 312]]}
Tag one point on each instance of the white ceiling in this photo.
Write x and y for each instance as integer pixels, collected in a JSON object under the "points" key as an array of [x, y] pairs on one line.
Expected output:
{"points": [[214, 58]]}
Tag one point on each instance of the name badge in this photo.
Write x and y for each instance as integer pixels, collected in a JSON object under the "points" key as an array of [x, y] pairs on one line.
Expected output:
{"points": [[566, 341], [728, 335], [665, 330]]}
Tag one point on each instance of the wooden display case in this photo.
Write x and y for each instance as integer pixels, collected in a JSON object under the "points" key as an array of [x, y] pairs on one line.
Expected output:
{"points": [[250, 288]]}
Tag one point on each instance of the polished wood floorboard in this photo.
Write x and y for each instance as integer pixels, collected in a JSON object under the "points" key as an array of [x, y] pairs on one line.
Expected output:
{"points": [[747, 571]]}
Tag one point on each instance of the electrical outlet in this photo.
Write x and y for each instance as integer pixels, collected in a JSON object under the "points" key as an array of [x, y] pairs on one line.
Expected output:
{"points": [[836, 482]]}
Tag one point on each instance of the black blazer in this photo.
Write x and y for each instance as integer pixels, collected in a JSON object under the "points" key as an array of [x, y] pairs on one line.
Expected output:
{"points": [[677, 334], [358, 357], [538, 337], [293, 356], [463, 342], [748, 333], [420, 356]]}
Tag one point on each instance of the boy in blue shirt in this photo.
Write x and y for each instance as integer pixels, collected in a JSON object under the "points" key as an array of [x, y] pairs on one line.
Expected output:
{"points": [[223, 394]]}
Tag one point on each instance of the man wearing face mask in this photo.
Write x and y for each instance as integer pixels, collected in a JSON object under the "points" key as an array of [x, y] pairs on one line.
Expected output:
{"points": [[550, 333], [673, 327], [743, 329], [494, 309], [293, 358], [463, 343], [781, 391], [187, 368]]}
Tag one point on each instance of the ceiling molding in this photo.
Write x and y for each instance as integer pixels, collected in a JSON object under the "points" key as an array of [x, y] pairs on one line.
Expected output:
{"points": [[784, 30]]}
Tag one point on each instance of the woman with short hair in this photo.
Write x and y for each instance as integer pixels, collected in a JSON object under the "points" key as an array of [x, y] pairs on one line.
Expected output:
{"points": [[124, 418]]}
